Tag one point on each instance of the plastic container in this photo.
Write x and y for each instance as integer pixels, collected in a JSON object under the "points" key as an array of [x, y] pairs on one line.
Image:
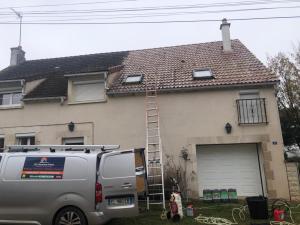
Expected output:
{"points": [[224, 195], [258, 207], [207, 195], [190, 211], [216, 194], [232, 195]]}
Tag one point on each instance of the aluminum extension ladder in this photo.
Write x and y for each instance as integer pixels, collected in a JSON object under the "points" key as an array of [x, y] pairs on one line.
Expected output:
{"points": [[155, 175]]}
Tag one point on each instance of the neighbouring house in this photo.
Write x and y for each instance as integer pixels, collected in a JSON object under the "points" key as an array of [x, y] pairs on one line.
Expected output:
{"points": [[216, 100]]}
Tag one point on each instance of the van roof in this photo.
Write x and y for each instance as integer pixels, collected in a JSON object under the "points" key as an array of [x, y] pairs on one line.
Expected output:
{"points": [[60, 148]]}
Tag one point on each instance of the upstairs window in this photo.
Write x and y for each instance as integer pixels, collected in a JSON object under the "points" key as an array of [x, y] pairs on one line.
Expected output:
{"points": [[251, 108], [133, 79], [202, 74], [10, 99], [89, 91], [11, 93], [25, 139]]}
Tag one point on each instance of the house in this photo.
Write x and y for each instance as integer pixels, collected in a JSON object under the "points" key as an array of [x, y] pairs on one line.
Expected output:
{"points": [[216, 100]]}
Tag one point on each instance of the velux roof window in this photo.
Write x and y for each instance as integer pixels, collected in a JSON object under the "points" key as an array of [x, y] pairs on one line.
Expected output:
{"points": [[133, 79], [202, 74]]}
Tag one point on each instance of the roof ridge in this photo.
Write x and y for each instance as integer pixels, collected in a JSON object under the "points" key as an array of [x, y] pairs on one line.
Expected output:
{"points": [[134, 50]]}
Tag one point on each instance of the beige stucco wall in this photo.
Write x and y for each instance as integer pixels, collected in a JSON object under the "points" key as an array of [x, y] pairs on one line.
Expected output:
{"points": [[187, 119]]}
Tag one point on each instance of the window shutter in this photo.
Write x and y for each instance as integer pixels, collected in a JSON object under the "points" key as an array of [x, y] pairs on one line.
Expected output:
{"points": [[88, 91]]}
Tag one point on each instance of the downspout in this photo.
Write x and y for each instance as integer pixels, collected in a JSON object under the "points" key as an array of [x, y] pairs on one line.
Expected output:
{"points": [[259, 166], [62, 100]]}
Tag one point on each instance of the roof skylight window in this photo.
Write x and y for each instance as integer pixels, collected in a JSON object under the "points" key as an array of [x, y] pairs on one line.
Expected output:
{"points": [[202, 74], [133, 79]]}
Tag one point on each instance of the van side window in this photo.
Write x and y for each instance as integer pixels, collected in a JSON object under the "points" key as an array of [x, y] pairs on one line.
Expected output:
{"points": [[14, 168], [121, 165], [1, 143], [76, 168]]}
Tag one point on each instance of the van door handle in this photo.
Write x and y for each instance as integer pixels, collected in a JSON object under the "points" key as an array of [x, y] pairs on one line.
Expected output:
{"points": [[126, 185]]}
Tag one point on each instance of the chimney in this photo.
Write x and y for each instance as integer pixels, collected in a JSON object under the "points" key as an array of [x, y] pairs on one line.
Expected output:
{"points": [[225, 29], [17, 56]]}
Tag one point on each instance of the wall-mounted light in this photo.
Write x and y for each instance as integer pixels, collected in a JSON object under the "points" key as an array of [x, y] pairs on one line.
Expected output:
{"points": [[71, 126], [228, 128], [185, 154]]}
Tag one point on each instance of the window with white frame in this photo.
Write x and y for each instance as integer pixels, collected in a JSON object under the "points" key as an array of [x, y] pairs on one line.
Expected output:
{"points": [[7, 99], [25, 139], [11, 93], [202, 74], [86, 91], [133, 79], [73, 141]]}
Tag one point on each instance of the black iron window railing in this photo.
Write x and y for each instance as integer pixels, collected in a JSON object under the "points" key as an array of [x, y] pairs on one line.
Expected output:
{"points": [[252, 111]]}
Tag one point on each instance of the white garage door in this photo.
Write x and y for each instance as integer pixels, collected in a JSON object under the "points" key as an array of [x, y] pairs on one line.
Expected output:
{"points": [[229, 166]]}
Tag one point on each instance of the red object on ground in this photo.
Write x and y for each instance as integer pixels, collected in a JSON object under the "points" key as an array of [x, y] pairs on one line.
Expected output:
{"points": [[279, 215], [174, 208]]}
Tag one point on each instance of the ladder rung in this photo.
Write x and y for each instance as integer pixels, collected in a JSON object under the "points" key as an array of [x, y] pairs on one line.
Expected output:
{"points": [[151, 109], [156, 194], [153, 136], [151, 96], [153, 128], [152, 161], [153, 185], [152, 115], [152, 121], [153, 151], [154, 167], [154, 176], [156, 203], [153, 143]]}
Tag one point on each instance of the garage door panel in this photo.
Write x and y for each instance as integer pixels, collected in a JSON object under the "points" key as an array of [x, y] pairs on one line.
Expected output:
{"points": [[229, 166]]}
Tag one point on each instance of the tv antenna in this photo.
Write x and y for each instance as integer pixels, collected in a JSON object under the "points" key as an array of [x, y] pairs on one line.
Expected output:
{"points": [[19, 15]]}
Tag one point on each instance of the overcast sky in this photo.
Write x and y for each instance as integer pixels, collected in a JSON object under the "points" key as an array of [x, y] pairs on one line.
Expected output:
{"points": [[262, 37]]}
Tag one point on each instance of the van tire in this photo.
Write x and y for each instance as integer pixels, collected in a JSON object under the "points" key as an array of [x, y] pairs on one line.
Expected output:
{"points": [[70, 214]]}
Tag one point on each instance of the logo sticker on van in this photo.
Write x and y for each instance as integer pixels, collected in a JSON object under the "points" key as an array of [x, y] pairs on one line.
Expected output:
{"points": [[43, 168]]}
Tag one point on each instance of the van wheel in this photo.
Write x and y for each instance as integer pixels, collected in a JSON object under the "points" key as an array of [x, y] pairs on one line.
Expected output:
{"points": [[70, 216]]}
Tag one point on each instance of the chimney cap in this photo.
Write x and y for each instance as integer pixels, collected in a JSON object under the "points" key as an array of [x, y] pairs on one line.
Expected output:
{"points": [[224, 23], [19, 48]]}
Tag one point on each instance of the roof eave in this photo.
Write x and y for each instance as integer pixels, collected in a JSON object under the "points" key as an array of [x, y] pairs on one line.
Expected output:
{"points": [[190, 89], [58, 98], [85, 74]]}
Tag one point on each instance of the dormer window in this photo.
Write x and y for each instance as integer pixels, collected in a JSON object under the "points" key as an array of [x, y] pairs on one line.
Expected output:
{"points": [[133, 79], [91, 90], [8, 99], [202, 74], [11, 93], [86, 88]]}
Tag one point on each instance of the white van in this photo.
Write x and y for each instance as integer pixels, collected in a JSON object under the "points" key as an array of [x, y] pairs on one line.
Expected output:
{"points": [[64, 185]]}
